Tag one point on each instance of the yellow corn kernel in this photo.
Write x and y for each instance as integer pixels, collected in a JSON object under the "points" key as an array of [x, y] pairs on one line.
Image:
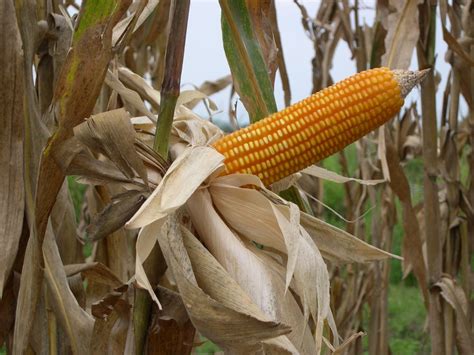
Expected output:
{"points": [[318, 126]]}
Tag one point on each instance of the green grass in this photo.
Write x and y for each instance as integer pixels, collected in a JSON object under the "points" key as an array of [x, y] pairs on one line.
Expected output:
{"points": [[407, 315], [207, 348]]}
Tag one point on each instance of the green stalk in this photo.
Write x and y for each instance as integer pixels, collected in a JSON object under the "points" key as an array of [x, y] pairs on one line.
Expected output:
{"points": [[165, 122], [155, 265], [172, 79]]}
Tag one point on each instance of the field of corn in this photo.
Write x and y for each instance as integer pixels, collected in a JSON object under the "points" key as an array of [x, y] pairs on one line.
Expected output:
{"points": [[134, 222]]}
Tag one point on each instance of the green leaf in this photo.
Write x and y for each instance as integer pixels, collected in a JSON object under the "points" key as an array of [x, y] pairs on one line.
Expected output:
{"points": [[244, 55]]}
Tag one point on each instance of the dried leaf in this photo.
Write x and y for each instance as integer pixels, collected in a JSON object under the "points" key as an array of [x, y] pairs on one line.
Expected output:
{"points": [[325, 174], [103, 308], [28, 295], [276, 228], [126, 24], [402, 34], [129, 96], [104, 339], [74, 159], [227, 325], [63, 221], [12, 195], [211, 87], [456, 47], [111, 133], [456, 298], [95, 272], [77, 323], [115, 214], [217, 283], [192, 130], [187, 96], [140, 85], [412, 245], [264, 285], [342, 349], [339, 246], [183, 177], [146, 240]]}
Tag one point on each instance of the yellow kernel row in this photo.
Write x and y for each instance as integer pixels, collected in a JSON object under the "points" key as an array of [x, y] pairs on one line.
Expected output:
{"points": [[313, 128]]}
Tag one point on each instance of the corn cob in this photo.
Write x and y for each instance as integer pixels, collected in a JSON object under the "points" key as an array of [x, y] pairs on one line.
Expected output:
{"points": [[318, 126]]}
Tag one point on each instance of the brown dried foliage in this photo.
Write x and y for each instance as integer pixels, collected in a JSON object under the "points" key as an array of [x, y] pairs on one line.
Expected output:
{"points": [[74, 101]]}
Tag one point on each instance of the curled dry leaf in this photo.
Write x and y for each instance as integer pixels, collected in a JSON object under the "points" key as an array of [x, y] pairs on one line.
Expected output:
{"points": [[263, 285], [456, 298], [339, 246], [211, 87], [228, 323], [278, 227], [129, 96], [115, 214], [111, 133], [75, 159], [137, 83], [325, 174], [146, 240], [95, 272], [192, 130], [218, 284], [187, 96], [184, 176]]}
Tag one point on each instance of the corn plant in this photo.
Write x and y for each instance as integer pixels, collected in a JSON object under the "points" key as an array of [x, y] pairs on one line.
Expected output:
{"points": [[183, 234]]}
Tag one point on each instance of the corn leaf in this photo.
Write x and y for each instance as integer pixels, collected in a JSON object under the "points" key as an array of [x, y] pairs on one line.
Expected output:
{"points": [[77, 323], [403, 32], [76, 91], [233, 322], [248, 67], [12, 193], [184, 176]]}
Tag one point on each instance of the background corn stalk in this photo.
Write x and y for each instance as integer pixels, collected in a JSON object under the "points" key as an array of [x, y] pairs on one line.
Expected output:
{"points": [[44, 305]]}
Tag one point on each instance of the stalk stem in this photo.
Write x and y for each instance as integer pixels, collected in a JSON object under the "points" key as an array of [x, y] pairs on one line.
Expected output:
{"points": [[155, 265], [431, 202], [172, 79]]}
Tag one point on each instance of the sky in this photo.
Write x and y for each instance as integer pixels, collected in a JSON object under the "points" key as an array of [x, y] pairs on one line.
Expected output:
{"points": [[205, 58]]}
